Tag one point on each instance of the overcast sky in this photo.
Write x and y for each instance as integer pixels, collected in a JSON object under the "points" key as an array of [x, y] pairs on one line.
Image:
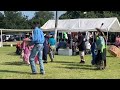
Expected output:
{"points": [[30, 14]]}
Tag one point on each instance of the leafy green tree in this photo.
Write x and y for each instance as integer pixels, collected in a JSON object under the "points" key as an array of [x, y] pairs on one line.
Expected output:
{"points": [[1, 20], [90, 14], [42, 17], [15, 20]]}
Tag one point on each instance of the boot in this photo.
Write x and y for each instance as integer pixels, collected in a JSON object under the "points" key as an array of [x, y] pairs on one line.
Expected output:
{"points": [[104, 63]]}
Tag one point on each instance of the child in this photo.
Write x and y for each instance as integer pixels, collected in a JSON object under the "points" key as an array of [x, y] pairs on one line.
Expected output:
{"points": [[18, 48], [26, 50]]}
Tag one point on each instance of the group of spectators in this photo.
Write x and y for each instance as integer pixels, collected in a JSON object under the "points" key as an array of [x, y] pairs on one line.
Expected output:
{"points": [[34, 50]]}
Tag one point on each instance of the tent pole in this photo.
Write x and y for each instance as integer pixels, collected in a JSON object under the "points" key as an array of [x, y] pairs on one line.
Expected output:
{"points": [[56, 23], [107, 38], [32, 32], [58, 36], [106, 42], [71, 41], [62, 35], [1, 39], [93, 36]]}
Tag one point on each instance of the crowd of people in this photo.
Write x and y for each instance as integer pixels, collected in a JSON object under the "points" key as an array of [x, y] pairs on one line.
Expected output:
{"points": [[34, 50]]}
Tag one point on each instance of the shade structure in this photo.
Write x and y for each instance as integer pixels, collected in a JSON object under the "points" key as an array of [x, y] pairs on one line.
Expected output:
{"points": [[83, 24]]}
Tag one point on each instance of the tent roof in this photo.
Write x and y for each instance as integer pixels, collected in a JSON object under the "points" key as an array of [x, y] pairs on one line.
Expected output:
{"points": [[16, 30], [87, 24]]}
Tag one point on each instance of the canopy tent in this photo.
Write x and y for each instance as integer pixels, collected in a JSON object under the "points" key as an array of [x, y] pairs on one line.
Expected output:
{"points": [[12, 30], [87, 24], [16, 30], [83, 25]]}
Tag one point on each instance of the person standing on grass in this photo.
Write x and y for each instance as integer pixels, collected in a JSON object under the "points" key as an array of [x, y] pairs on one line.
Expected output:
{"points": [[52, 47], [18, 48], [101, 48], [46, 48], [81, 46], [37, 40], [93, 51], [26, 50]]}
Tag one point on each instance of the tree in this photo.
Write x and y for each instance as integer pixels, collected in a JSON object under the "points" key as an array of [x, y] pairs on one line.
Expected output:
{"points": [[90, 14], [15, 20], [1, 20], [42, 17], [44, 14], [71, 15]]}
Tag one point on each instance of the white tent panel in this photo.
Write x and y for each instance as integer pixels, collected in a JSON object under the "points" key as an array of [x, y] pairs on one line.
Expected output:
{"points": [[115, 27], [88, 24]]}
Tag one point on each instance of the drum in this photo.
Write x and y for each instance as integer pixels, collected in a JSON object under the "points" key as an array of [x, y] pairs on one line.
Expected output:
{"points": [[115, 51]]}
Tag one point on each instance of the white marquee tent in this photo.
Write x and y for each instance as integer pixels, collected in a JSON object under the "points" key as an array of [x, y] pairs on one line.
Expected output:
{"points": [[87, 24], [83, 25], [75, 25]]}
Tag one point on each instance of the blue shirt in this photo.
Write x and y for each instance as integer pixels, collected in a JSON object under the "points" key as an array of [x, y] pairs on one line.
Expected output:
{"points": [[52, 41], [38, 36]]}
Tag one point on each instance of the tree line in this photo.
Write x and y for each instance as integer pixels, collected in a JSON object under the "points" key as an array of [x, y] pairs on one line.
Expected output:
{"points": [[15, 19], [90, 14]]}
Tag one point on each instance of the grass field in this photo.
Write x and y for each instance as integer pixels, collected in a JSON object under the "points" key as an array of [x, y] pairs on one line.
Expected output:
{"points": [[9, 43], [63, 67]]}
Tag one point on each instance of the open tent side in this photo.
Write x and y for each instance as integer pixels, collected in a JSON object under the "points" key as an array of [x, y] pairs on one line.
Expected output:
{"points": [[88, 24]]}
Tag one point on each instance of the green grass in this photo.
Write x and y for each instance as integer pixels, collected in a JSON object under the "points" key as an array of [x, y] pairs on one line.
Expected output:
{"points": [[63, 67], [9, 43]]}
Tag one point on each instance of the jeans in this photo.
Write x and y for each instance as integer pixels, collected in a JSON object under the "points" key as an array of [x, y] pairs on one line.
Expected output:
{"points": [[52, 52], [93, 57], [37, 50]]}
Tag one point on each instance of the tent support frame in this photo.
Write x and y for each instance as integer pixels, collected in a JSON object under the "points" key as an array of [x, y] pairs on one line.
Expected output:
{"points": [[1, 39]]}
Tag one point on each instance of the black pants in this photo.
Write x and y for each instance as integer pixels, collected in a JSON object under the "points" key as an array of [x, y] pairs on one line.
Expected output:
{"points": [[18, 51], [45, 51], [101, 58], [98, 57], [104, 57]]}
